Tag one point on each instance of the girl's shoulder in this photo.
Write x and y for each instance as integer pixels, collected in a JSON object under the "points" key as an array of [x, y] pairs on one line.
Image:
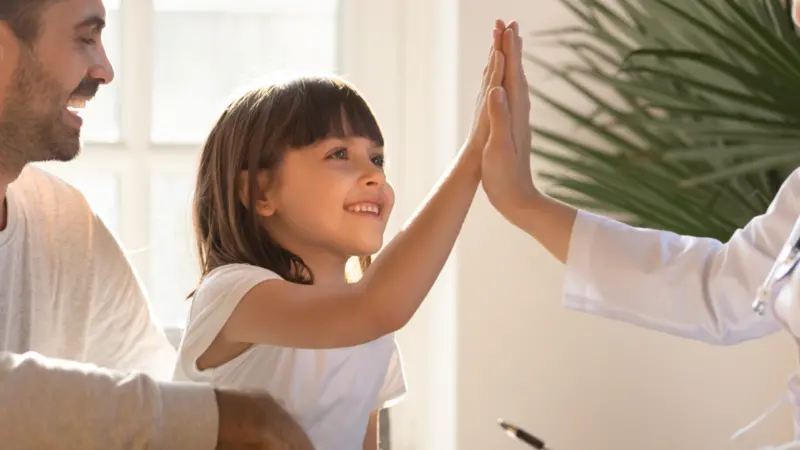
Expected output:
{"points": [[227, 271], [232, 279]]}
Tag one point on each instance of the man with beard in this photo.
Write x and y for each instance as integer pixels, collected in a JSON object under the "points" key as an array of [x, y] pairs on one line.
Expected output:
{"points": [[66, 289]]}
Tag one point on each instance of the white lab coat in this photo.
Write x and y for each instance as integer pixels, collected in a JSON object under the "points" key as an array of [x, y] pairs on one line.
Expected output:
{"points": [[784, 303], [692, 287], [782, 296]]}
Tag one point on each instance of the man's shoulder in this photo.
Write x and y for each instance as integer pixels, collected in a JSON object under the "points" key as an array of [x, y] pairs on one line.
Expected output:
{"points": [[40, 189], [50, 206]]}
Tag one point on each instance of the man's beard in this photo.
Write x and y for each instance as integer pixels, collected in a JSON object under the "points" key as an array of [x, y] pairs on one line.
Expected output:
{"points": [[32, 126]]}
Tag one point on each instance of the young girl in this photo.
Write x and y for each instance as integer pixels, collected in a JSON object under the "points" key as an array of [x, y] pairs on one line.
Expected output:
{"points": [[290, 187]]}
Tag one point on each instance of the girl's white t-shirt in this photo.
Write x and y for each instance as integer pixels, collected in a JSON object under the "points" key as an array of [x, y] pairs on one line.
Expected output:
{"points": [[330, 392]]}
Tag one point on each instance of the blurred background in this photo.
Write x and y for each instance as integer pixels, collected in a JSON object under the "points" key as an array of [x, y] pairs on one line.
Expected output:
{"points": [[492, 339]]}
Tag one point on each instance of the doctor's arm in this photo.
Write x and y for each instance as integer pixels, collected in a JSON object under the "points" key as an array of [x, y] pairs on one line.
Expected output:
{"points": [[693, 287]]}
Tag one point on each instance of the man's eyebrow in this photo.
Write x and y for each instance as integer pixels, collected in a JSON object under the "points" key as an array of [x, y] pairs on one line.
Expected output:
{"points": [[95, 22]]}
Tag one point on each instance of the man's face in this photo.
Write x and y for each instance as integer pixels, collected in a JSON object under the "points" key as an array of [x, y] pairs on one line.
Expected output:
{"points": [[44, 83]]}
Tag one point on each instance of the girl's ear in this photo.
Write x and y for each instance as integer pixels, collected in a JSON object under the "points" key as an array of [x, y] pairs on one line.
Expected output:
{"points": [[263, 205]]}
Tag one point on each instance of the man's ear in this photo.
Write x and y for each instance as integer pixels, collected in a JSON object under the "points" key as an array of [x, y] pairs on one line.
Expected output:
{"points": [[9, 48], [263, 204]]}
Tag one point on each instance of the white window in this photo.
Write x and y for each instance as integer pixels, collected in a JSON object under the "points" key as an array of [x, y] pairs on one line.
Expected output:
{"points": [[178, 62]]}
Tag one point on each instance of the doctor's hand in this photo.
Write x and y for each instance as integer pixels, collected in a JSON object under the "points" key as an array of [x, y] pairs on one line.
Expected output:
{"points": [[506, 169], [506, 172]]}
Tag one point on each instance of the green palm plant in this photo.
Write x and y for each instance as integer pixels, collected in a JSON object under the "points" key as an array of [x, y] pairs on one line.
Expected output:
{"points": [[695, 111]]}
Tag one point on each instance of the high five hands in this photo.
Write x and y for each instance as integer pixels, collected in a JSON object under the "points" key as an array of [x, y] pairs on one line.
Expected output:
{"points": [[498, 147], [506, 173]]}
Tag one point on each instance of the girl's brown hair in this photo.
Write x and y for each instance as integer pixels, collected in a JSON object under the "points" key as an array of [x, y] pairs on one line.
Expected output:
{"points": [[252, 135]]}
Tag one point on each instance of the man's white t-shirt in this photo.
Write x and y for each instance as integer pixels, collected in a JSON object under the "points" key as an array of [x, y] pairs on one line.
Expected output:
{"points": [[67, 289], [330, 392], [68, 292]]}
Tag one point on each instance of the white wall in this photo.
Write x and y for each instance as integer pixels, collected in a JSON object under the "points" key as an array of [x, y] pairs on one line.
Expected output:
{"points": [[493, 341]]}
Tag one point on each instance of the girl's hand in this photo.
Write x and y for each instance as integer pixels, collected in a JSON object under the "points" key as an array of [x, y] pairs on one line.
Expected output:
{"points": [[492, 77]]}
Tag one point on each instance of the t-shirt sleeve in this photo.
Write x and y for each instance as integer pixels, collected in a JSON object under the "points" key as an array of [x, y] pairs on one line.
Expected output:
{"points": [[394, 385], [212, 305], [122, 333]]}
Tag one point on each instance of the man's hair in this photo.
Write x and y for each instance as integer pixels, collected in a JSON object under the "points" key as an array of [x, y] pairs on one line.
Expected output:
{"points": [[24, 17]]}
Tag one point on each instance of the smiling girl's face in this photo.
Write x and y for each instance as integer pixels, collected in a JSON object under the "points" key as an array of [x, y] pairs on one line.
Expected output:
{"points": [[330, 197]]}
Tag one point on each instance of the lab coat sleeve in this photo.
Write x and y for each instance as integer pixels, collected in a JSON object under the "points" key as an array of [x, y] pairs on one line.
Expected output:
{"points": [[692, 287]]}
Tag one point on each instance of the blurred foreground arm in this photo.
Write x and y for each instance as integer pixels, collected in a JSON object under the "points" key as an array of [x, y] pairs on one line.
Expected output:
{"points": [[56, 404]]}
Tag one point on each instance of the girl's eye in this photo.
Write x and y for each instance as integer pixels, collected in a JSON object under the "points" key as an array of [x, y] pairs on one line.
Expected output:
{"points": [[378, 160], [339, 154]]}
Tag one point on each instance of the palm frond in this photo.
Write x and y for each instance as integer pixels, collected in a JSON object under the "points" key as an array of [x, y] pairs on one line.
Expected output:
{"points": [[694, 111]]}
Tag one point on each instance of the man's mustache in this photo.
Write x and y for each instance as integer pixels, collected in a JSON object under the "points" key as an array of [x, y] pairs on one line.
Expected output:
{"points": [[87, 88]]}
